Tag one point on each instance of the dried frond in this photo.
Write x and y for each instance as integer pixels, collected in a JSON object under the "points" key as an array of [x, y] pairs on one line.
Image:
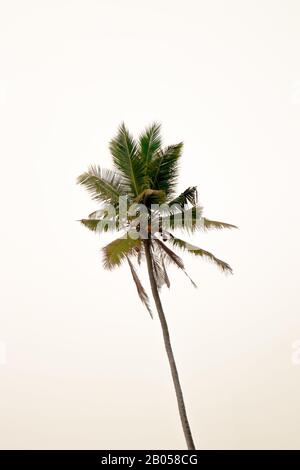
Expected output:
{"points": [[139, 287], [174, 258]]}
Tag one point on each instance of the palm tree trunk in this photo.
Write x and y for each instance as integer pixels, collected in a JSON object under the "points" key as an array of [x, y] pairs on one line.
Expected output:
{"points": [[166, 335]]}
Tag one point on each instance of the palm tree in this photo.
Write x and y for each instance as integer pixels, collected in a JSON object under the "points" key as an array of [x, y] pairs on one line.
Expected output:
{"points": [[145, 174]]}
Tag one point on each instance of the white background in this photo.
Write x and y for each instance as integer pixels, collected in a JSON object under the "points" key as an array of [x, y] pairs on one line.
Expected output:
{"points": [[85, 366]]}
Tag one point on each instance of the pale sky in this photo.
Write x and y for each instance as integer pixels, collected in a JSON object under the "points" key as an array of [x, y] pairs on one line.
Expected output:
{"points": [[82, 364]]}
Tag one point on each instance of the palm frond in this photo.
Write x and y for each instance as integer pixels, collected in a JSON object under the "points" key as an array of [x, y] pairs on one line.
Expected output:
{"points": [[178, 217], [103, 185], [163, 169], [91, 224], [214, 224], [126, 159], [139, 287], [140, 254], [98, 213], [101, 225], [166, 277], [177, 242], [173, 258], [190, 219], [159, 269], [150, 142], [190, 195], [118, 250]]}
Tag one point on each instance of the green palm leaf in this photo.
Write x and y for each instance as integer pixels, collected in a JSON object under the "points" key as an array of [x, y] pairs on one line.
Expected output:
{"points": [[163, 169], [178, 217], [103, 185], [91, 224], [178, 243], [118, 250], [101, 225], [126, 159], [150, 142], [190, 195], [190, 219], [214, 224]]}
